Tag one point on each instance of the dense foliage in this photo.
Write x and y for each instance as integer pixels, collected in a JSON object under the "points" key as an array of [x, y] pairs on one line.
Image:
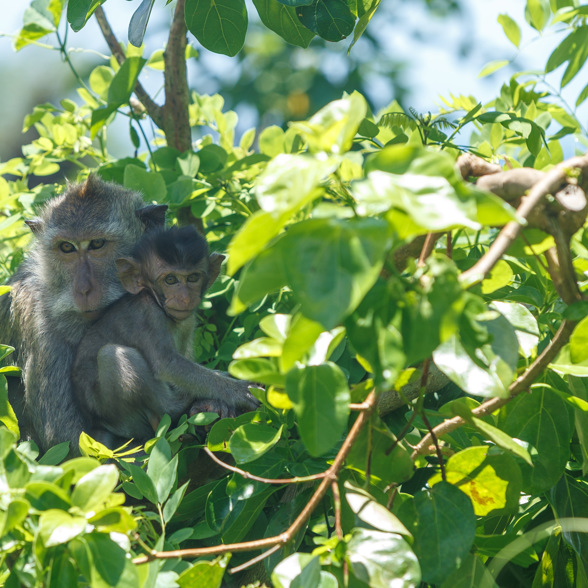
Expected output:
{"points": [[363, 267]]}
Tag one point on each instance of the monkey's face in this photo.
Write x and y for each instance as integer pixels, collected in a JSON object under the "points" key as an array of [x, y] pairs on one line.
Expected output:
{"points": [[180, 289], [87, 264]]}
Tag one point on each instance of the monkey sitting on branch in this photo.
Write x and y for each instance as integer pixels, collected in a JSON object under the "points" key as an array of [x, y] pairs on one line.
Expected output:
{"points": [[132, 365]]}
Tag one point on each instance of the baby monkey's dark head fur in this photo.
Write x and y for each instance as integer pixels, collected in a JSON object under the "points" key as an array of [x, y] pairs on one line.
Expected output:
{"points": [[177, 247]]}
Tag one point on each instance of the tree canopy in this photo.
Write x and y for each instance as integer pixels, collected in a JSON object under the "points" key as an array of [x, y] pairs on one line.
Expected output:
{"points": [[408, 287]]}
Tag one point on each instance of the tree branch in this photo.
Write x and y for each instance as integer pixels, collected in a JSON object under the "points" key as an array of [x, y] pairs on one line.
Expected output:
{"points": [[521, 384], [176, 114], [283, 538], [154, 111]]}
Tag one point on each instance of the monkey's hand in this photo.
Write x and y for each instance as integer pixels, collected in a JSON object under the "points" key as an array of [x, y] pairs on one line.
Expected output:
{"points": [[238, 393], [223, 410]]}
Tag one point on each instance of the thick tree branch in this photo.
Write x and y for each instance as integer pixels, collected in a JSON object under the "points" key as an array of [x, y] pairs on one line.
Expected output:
{"points": [[550, 183], [176, 114], [283, 538], [154, 111]]}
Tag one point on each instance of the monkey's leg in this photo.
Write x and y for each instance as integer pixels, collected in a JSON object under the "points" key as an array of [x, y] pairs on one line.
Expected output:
{"points": [[132, 400]]}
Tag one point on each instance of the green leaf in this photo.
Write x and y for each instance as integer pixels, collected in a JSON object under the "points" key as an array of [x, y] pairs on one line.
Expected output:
{"points": [[524, 323], [569, 498], [281, 18], [138, 22], [330, 19], [443, 525], [288, 183], [40, 18], [220, 25], [16, 512], [500, 275], [418, 204], [114, 520], [472, 573], [382, 560], [150, 184], [320, 397], [174, 502], [490, 477], [301, 337], [205, 573], [333, 128], [46, 496], [252, 440], [363, 22], [109, 564], [371, 453], [95, 487], [124, 81], [259, 370], [579, 342], [365, 507], [79, 11], [574, 50], [541, 419], [537, 13], [143, 482], [493, 66], [7, 415], [487, 370], [511, 29], [57, 527], [162, 469], [330, 264]]}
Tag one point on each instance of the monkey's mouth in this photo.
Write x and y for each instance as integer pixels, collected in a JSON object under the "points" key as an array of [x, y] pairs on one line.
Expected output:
{"points": [[179, 314], [91, 315]]}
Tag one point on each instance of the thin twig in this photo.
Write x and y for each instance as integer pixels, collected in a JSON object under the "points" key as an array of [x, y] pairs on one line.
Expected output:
{"points": [[294, 528], [337, 503], [428, 247], [249, 476]]}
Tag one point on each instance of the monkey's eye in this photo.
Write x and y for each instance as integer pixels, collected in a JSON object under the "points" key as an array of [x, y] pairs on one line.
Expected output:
{"points": [[170, 279], [67, 247], [194, 277], [96, 243]]}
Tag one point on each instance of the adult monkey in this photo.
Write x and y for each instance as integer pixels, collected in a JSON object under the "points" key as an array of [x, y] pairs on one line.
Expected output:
{"points": [[68, 278]]}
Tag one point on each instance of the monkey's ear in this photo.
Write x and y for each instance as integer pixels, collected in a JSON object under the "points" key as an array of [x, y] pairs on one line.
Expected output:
{"points": [[35, 224], [215, 261], [129, 274], [152, 216]]}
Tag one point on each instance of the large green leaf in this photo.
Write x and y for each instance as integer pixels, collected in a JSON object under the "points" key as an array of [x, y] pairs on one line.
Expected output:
{"points": [[40, 18], [124, 81], [330, 264], [486, 370], [541, 419], [416, 204], [382, 559], [333, 128], [7, 415], [79, 11], [95, 487], [330, 19], [490, 477], [252, 440], [287, 184], [472, 573], [281, 18], [205, 573], [569, 498], [57, 527], [220, 25], [574, 50], [443, 525], [320, 397]]}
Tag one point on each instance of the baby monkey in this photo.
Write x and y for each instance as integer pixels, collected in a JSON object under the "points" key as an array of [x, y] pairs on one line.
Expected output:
{"points": [[132, 365]]}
